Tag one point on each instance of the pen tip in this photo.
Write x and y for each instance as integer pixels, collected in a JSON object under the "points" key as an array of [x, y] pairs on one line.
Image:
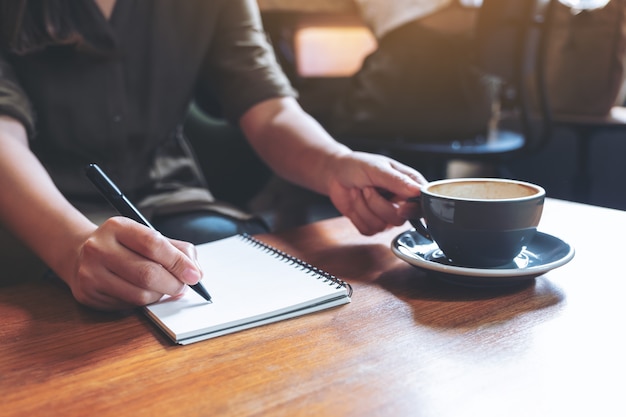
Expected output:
{"points": [[199, 288]]}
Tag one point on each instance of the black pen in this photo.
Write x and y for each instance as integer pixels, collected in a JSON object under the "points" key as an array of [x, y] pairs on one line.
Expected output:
{"points": [[118, 200]]}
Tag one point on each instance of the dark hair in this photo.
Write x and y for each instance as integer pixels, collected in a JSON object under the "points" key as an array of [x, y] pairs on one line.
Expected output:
{"points": [[30, 25]]}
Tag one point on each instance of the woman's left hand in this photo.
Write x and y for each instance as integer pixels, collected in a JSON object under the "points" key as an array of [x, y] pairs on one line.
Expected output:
{"points": [[371, 190]]}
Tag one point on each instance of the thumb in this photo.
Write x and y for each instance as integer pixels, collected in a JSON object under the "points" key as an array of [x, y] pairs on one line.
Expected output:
{"points": [[192, 271]]}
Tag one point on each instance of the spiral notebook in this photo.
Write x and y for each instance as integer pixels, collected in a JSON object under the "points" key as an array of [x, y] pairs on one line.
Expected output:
{"points": [[251, 284]]}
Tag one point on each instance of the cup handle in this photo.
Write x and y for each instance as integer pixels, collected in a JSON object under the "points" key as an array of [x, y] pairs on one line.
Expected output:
{"points": [[418, 224]]}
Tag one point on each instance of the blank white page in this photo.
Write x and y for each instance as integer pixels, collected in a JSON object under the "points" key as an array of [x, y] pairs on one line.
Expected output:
{"points": [[250, 284]]}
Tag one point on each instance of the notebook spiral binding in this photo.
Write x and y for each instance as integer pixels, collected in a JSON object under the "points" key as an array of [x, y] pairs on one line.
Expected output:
{"points": [[298, 263]]}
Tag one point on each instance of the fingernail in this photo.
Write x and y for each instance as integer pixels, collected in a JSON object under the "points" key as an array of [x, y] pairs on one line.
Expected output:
{"points": [[191, 275]]}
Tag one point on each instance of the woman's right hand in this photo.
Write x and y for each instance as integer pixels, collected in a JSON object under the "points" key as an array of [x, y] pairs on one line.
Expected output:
{"points": [[118, 265], [124, 264]]}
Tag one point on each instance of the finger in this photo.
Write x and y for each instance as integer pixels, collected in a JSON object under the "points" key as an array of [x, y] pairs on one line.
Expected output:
{"points": [[365, 219], [409, 210], [105, 302], [142, 278], [127, 292], [103, 289], [129, 260], [413, 174], [381, 207], [129, 298], [399, 180], [347, 206], [188, 249], [362, 225], [157, 248]]}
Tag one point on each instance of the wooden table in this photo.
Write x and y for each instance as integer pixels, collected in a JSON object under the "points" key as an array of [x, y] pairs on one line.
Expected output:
{"points": [[407, 345]]}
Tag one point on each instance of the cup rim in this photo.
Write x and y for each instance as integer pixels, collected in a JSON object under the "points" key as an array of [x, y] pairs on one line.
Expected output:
{"points": [[541, 192]]}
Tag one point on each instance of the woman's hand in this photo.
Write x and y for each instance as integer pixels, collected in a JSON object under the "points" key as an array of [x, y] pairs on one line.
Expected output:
{"points": [[124, 264], [118, 265], [371, 190]]}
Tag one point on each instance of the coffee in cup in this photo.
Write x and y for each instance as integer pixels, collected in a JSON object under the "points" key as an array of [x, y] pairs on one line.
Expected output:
{"points": [[480, 222]]}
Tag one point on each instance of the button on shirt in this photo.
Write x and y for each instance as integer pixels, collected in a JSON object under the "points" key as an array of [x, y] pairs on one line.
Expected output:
{"points": [[119, 99]]}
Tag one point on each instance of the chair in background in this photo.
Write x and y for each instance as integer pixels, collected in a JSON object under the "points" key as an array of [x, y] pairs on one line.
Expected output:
{"points": [[236, 175], [510, 48], [233, 171], [513, 53], [509, 54], [585, 78]]}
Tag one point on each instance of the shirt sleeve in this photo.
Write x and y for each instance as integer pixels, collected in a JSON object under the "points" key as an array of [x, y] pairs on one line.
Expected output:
{"points": [[13, 100], [241, 66]]}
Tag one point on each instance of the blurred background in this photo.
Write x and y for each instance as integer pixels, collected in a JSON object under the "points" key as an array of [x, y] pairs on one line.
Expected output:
{"points": [[323, 44]]}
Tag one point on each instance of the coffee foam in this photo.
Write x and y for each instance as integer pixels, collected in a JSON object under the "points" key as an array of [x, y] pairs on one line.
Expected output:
{"points": [[483, 190]]}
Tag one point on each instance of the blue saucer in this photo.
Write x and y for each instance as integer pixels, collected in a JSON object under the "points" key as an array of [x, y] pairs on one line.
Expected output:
{"points": [[544, 253]]}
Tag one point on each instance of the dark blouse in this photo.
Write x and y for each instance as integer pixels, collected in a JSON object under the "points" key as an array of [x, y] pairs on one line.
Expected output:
{"points": [[119, 100]]}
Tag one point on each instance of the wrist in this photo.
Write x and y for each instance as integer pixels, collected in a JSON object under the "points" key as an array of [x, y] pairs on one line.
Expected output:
{"points": [[65, 260], [331, 165]]}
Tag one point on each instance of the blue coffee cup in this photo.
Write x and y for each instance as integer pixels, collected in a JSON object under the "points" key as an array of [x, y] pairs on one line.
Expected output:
{"points": [[480, 222]]}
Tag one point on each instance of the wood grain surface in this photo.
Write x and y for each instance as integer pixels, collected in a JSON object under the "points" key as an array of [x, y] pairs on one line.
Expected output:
{"points": [[407, 345]]}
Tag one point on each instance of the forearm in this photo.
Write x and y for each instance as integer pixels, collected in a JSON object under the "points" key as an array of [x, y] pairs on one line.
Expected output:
{"points": [[32, 207], [292, 143]]}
